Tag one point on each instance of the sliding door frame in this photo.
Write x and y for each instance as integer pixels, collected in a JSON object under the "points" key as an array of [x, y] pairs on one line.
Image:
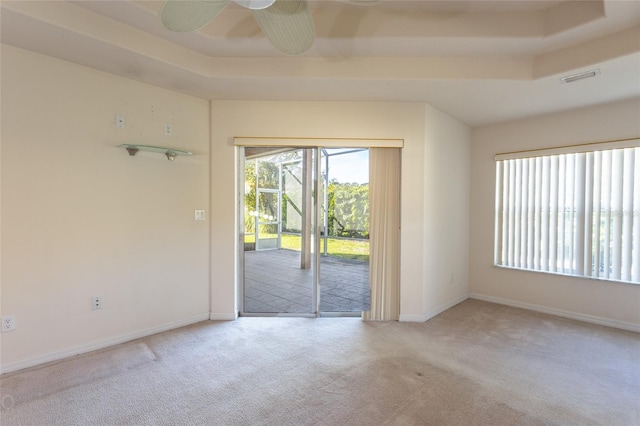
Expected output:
{"points": [[310, 143]]}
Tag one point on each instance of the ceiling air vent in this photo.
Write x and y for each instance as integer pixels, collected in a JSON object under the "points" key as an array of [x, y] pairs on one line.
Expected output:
{"points": [[580, 76]]}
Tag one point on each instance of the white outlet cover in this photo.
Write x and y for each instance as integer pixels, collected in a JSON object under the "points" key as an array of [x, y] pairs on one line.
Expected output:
{"points": [[120, 122], [168, 129], [200, 215], [8, 323]]}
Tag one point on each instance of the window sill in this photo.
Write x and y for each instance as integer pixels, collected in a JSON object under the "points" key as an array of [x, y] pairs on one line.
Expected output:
{"points": [[564, 275]]}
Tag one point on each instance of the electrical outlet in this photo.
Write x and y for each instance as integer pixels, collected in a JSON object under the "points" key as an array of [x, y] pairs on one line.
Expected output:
{"points": [[120, 121], [8, 323], [96, 302], [168, 129]]}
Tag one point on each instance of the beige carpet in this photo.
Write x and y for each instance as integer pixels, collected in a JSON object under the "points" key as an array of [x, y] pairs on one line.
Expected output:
{"points": [[476, 364]]}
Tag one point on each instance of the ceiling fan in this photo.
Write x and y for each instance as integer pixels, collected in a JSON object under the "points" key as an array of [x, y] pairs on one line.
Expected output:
{"points": [[287, 24]]}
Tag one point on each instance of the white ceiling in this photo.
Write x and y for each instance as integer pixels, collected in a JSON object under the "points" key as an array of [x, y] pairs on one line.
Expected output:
{"points": [[481, 61]]}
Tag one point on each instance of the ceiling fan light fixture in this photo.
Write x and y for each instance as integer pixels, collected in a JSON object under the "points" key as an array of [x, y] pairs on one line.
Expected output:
{"points": [[287, 24], [255, 4], [580, 76]]}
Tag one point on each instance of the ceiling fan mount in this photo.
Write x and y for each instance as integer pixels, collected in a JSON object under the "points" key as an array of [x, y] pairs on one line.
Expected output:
{"points": [[287, 24]]}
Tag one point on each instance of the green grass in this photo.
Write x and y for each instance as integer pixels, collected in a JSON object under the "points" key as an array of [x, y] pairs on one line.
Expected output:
{"points": [[338, 247]]}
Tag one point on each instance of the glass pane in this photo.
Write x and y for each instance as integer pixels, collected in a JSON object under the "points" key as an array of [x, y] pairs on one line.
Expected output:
{"points": [[268, 206], [268, 173], [267, 237], [278, 274], [292, 198], [344, 247]]}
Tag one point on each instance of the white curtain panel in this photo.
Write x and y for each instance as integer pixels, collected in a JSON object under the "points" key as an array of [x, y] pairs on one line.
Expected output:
{"points": [[384, 234]]}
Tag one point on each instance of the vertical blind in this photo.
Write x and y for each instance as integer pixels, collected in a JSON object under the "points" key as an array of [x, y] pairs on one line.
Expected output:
{"points": [[574, 213], [384, 234]]}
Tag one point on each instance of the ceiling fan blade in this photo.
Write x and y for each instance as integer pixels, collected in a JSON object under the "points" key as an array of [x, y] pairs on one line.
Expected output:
{"points": [[288, 25], [190, 15]]}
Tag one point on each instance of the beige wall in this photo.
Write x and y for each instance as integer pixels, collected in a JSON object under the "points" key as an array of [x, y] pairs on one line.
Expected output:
{"points": [[600, 301], [446, 204], [422, 256], [81, 218]]}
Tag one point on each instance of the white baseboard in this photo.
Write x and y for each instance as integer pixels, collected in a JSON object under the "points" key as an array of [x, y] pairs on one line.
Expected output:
{"points": [[438, 310], [55, 356], [624, 325], [229, 316]]}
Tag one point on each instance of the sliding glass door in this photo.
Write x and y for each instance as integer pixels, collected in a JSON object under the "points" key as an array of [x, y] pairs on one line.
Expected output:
{"points": [[305, 247]]}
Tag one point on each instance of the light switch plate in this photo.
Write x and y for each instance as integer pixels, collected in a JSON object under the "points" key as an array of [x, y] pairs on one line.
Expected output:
{"points": [[200, 215]]}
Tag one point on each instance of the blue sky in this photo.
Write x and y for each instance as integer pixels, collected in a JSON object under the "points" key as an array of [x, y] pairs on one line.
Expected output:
{"points": [[350, 168]]}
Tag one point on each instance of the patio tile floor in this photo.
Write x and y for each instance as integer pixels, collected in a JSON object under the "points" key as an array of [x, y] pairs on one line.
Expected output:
{"points": [[274, 283]]}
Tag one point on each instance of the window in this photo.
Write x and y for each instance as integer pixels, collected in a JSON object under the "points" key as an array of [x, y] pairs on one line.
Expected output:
{"points": [[571, 210]]}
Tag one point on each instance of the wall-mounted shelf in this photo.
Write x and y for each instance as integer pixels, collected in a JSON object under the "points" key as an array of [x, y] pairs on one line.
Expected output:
{"points": [[171, 153]]}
